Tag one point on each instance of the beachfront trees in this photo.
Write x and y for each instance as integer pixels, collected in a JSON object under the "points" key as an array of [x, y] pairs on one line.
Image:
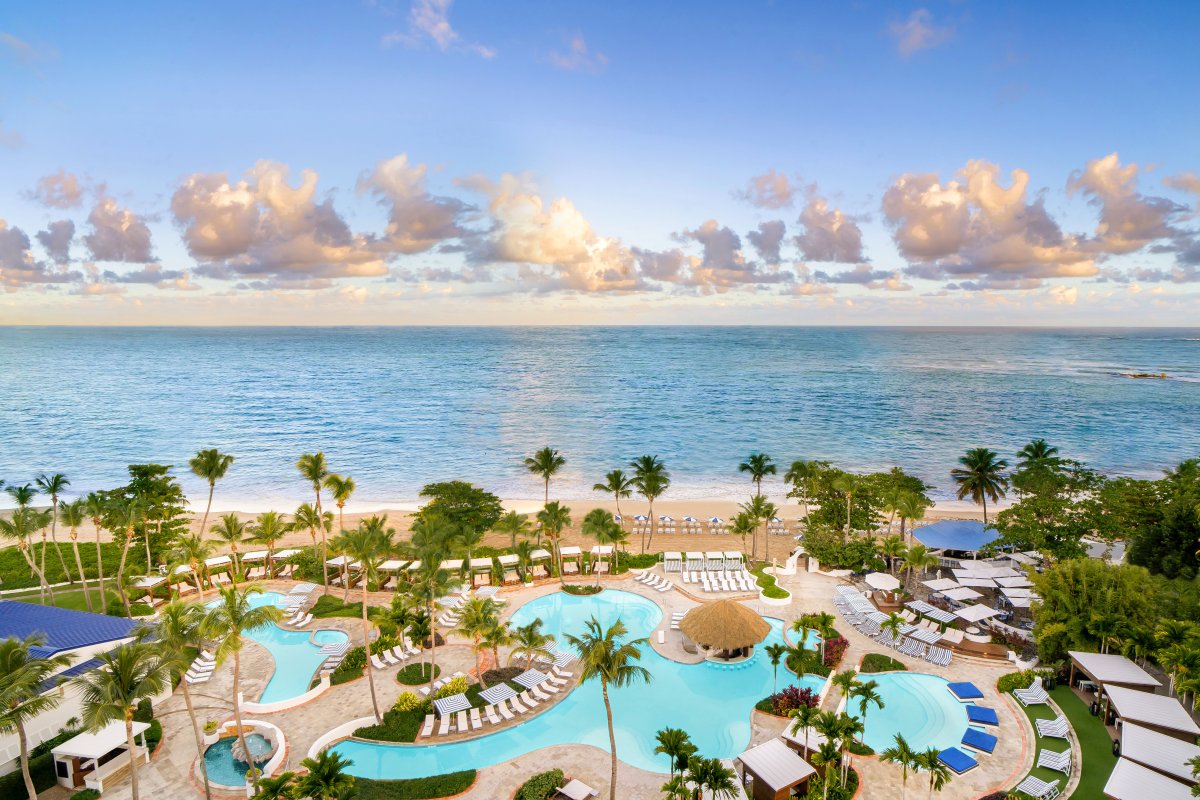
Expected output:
{"points": [[122, 515], [917, 560], [606, 657], [163, 515], [759, 466], [1058, 504], [54, 485], [761, 510], [910, 508], [326, 777], [1038, 453], [1072, 590], [191, 551], [430, 543], [1160, 518], [651, 479], [849, 484], [554, 519], [468, 508], [616, 483], [531, 642], [802, 476], [599, 525], [891, 548], [22, 495], [981, 477], [21, 526], [232, 531], [177, 632], [743, 525], [73, 515], [268, 529], [95, 505], [226, 625], [308, 518], [476, 617], [341, 489], [111, 692], [312, 468], [514, 525], [370, 544], [545, 463], [23, 675], [211, 466], [902, 755]]}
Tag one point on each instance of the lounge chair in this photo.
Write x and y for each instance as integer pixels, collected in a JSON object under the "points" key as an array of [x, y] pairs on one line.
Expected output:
{"points": [[965, 691], [981, 715], [979, 741], [1035, 695], [537, 692], [194, 679], [516, 704], [529, 700], [550, 686], [1057, 728], [562, 673], [444, 725], [1059, 762], [575, 790], [377, 662], [397, 655], [476, 722], [460, 722], [502, 707], [428, 729], [1035, 787], [490, 712], [957, 760]]}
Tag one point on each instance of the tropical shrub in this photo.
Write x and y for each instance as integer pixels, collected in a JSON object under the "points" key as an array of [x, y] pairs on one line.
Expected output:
{"points": [[351, 666], [308, 565], [835, 648], [582, 589], [790, 698], [541, 786], [1017, 680], [85, 794], [383, 643], [878, 662], [408, 701], [415, 788], [453, 686], [397, 726]]}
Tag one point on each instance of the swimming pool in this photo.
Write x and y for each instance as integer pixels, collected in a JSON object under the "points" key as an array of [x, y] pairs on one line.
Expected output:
{"points": [[224, 769], [917, 706], [712, 702], [296, 658]]}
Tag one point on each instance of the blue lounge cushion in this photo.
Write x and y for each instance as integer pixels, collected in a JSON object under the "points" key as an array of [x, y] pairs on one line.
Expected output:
{"points": [[965, 691], [978, 740], [981, 715], [957, 760]]}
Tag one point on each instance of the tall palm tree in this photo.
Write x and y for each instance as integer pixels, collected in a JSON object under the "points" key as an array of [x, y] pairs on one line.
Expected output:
{"points": [[514, 525], [803, 476], [651, 479], [759, 466], [96, 507], [910, 508], [341, 489], [177, 632], [616, 483], [849, 484], [743, 525], [192, 550], [73, 515], [22, 495], [867, 694], [498, 634], [674, 743], [903, 756], [326, 778], [775, 651], [605, 657], [761, 510], [530, 642], [54, 485], [226, 625], [1038, 453], [599, 525], [555, 518], [125, 515], [211, 465], [804, 718], [939, 773], [127, 675], [312, 468], [21, 526], [269, 527], [306, 517], [981, 477], [545, 463], [524, 553], [891, 548], [918, 560], [23, 675], [845, 681], [432, 535], [370, 544], [478, 615], [232, 531]]}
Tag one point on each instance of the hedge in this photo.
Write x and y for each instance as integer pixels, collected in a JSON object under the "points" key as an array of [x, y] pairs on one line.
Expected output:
{"points": [[416, 674], [41, 769], [1016, 680], [397, 726], [415, 788], [582, 590], [541, 786], [878, 662], [351, 666]]}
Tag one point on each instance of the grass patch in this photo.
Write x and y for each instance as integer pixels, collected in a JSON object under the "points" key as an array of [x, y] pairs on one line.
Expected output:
{"points": [[415, 788], [73, 599], [1096, 759], [329, 606], [861, 748], [767, 583], [878, 662], [397, 726], [14, 572], [417, 674]]}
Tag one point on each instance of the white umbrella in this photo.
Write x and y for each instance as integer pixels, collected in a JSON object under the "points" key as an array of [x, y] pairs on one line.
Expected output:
{"points": [[690, 519], [882, 581], [665, 518], [976, 613], [716, 520], [640, 517], [962, 593]]}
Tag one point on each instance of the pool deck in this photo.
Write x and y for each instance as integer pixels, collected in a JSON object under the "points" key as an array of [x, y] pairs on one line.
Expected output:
{"points": [[174, 764]]}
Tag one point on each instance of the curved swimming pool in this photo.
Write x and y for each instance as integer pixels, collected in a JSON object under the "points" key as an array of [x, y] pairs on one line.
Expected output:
{"points": [[712, 702], [917, 706]]}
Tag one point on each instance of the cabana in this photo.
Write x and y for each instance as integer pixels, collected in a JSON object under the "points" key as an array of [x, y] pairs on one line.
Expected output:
{"points": [[254, 557], [882, 581], [216, 567], [941, 584], [1108, 669], [481, 571], [601, 555], [508, 565], [283, 555], [672, 561], [1159, 752], [390, 570], [455, 565], [1159, 713], [148, 584], [714, 561], [1132, 781], [539, 570], [695, 561], [733, 561], [976, 613], [961, 594], [774, 770], [182, 574], [725, 629], [959, 535], [89, 759], [570, 559]]}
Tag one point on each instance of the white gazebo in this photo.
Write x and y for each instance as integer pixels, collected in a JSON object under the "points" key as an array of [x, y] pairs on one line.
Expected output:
{"points": [[77, 761], [481, 571], [539, 570], [508, 565], [882, 581], [733, 560], [672, 561], [774, 770], [714, 560], [571, 559]]}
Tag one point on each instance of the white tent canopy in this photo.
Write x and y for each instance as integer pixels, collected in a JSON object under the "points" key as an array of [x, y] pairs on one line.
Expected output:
{"points": [[1014, 583], [976, 613], [481, 563], [392, 565], [216, 561], [941, 584], [255, 555], [286, 553], [1135, 705], [776, 764], [962, 593], [570, 550], [508, 560], [1111, 668], [1158, 751], [150, 581], [977, 583], [539, 555], [882, 581], [1130, 781], [102, 742]]}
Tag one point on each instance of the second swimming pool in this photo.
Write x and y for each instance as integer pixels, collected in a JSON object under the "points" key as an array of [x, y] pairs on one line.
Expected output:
{"points": [[712, 702], [915, 705]]}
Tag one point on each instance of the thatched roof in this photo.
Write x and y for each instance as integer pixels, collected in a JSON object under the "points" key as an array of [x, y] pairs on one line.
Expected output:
{"points": [[724, 624]]}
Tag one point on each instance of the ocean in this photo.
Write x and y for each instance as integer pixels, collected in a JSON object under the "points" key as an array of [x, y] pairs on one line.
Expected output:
{"points": [[400, 407]]}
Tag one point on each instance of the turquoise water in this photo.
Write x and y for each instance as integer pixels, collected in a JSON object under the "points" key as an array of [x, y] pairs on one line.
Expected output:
{"points": [[711, 702], [917, 706], [473, 402], [221, 766], [296, 659]]}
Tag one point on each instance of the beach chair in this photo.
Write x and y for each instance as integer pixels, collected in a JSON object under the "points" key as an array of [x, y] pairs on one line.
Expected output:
{"points": [[550, 686], [428, 729], [528, 699], [502, 707], [1057, 728], [958, 761], [490, 713], [396, 655], [537, 692], [460, 722], [195, 679], [1059, 762], [377, 662], [444, 725], [665, 586], [1035, 695], [476, 722], [1037, 788], [516, 705]]}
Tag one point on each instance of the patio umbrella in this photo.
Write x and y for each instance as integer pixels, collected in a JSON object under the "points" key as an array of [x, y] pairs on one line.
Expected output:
{"points": [[716, 520], [690, 519], [665, 518], [882, 581], [640, 517], [962, 593]]}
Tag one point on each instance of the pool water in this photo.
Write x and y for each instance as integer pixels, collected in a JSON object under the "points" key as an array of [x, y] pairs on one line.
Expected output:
{"points": [[712, 702], [224, 769], [296, 658], [915, 705]]}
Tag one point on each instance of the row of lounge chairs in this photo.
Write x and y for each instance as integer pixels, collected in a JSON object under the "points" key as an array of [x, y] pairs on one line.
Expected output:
{"points": [[299, 619], [866, 619], [654, 582], [722, 581], [397, 655], [201, 669], [676, 618], [472, 719]]}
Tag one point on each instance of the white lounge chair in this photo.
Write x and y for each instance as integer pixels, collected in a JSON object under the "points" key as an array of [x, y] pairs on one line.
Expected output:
{"points": [[503, 708], [517, 705], [444, 725], [194, 679], [537, 692], [377, 662], [476, 722], [529, 700], [1055, 728], [428, 729], [550, 687], [1059, 762], [460, 722], [490, 712], [1035, 787]]}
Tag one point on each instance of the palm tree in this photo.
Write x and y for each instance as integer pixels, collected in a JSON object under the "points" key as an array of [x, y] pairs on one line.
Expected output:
{"points": [[326, 778], [939, 773], [21, 526], [545, 463], [867, 694], [524, 553], [711, 774], [600, 525], [313, 469], [845, 731], [981, 477], [281, 787], [651, 479], [226, 625], [1038, 453], [803, 476], [514, 525], [845, 681], [269, 527], [499, 634], [910, 508], [761, 510], [903, 756], [804, 718], [892, 624], [478, 616], [891, 548], [177, 633], [341, 489], [125, 515], [759, 465], [23, 675], [211, 465], [54, 485], [73, 515], [192, 550], [232, 531], [96, 508], [22, 495], [369, 544], [775, 651], [849, 484], [127, 675], [743, 525], [918, 559], [607, 658], [554, 519], [616, 483], [674, 743], [676, 787], [434, 534], [531, 643], [828, 756], [306, 516]]}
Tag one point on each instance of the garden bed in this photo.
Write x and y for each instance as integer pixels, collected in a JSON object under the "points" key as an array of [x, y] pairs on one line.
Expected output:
{"points": [[416, 674], [415, 788]]}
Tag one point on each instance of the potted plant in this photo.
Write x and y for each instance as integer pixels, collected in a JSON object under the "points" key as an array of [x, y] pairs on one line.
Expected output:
{"points": [[252, 774], [210, 732]]}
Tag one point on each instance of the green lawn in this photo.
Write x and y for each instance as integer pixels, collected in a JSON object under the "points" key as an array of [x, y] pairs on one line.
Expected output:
{"points": [[1094, 743], [64, 598]]}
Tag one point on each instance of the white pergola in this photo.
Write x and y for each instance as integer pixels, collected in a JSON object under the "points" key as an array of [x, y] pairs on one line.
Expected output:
{"points": [[976, 613]]}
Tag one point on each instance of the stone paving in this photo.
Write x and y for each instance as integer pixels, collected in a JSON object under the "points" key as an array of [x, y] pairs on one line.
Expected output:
{"points": [[174, 764]]}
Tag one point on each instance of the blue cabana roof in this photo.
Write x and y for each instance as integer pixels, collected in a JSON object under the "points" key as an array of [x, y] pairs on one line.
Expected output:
{"points": [[64, 629], [956, 534]]}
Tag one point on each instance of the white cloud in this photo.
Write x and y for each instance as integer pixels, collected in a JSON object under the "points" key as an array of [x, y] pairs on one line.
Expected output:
{"points": [[1129, 220], [117, 234], [60, 190], [829, 235], [770, 190], [578, 56], [429, 21], [918, 32]]}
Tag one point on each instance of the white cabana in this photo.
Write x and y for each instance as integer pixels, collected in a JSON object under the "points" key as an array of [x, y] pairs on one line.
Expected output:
{"points": [[536, 569], [882, 581], [413, 567], [733, 560], [540, 554], [1132, 781], [217, 561], [672, 561], [570, 551], [148, 582], [1021, 602], [1014, 583], [714, 560], [453, 564], [976, 613], [99, 743], [962, 593], [1111, 668], [695, 561], [601, 550], [340, 561], [941, 584], [977, 583], [1158, 751], [286, 553], [392, 565], [255, 555], [75, 760], [508, 565], [1151, 710], [776, 765]]}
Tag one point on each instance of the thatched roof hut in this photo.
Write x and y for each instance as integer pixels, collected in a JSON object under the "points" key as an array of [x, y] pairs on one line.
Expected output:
{"points": [[724, 625]]}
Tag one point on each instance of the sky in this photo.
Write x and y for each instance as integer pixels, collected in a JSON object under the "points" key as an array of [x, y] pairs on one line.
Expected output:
{"points": [[471, 162]]}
